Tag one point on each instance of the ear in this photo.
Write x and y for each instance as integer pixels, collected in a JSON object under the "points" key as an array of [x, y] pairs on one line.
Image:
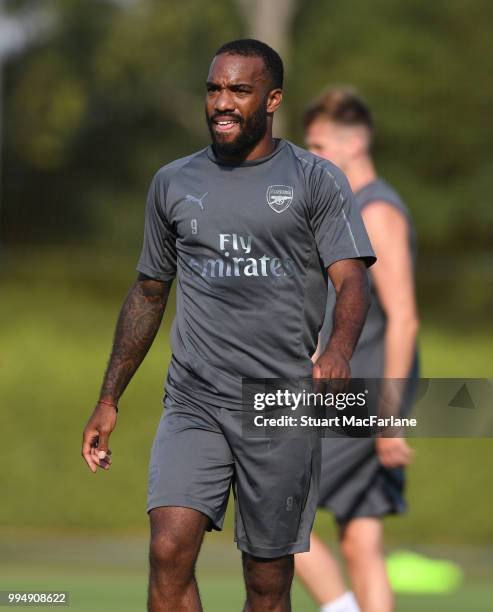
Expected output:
{"points": [[274, 99], [356, 143]]}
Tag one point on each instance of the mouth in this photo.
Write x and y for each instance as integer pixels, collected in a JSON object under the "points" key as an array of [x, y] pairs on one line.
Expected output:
{"points": [[224, 125]]}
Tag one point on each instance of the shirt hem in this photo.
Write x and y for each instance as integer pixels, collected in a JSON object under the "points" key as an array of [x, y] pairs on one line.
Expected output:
{"points": [[368, 258], [153, 273]]}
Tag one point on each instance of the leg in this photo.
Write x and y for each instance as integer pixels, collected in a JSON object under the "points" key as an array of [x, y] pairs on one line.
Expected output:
{"points": [[268, 583], [320, 573], [188, 493], [176, 537], [362, 547]]}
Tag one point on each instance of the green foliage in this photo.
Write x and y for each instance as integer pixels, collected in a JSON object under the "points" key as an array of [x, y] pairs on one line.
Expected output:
{"points": [[98, 107], [422, 68], [114, 93]]}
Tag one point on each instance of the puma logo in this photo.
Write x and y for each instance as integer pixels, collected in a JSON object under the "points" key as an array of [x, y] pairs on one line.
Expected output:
{"points": [[199, 201]]}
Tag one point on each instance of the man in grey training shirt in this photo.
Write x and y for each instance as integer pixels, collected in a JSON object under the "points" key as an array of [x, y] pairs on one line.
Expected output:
{"points": [[362, 479], [248, 226]]}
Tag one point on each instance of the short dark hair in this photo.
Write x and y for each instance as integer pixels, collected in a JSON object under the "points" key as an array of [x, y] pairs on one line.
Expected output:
{"points": [[341, 105], [249, 47]]}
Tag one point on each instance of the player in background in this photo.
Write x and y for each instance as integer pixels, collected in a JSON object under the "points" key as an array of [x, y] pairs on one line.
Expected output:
{"points": [[249, 226], [362, 479]]}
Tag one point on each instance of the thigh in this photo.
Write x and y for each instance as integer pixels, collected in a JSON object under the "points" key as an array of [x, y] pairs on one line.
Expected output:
{"points": [[176, 531], [191, 464]]}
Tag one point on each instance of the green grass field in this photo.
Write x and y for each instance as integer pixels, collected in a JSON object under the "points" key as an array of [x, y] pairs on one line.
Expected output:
{"points": [[62, 527], [109, 575], [116, 592]]}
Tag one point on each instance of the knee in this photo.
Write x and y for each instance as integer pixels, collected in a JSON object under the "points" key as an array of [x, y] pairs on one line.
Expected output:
{"points": [[358, 549], [269, 581], [169, 557]]}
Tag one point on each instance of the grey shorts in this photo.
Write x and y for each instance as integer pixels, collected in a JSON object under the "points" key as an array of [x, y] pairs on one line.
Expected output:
{"points": [[198, 454], [353, 482]]}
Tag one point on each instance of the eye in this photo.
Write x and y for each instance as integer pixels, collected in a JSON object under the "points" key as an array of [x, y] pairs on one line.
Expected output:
{"points": [[240, 91]]}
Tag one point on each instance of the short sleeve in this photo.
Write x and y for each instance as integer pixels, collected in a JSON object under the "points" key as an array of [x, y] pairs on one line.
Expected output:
{"points": [[335, 219], [158, 255]]}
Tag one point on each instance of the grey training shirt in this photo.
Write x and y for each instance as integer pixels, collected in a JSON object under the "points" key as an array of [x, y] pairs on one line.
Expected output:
{"points": [[249, 245], [368, 359]]}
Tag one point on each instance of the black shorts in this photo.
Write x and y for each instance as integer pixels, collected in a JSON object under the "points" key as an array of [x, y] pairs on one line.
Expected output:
{"points": [[200, 453], [353, 482]]}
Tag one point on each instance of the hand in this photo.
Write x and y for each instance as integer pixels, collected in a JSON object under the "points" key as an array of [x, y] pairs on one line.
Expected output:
{"points": [[393, 452], [96, 434], [332, 365]]}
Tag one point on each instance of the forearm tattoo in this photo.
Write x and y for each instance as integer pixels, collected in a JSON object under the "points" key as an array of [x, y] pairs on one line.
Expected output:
{"points": [[138, 323]]}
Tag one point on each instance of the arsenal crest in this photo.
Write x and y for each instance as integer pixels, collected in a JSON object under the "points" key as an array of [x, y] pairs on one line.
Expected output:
{"points": [[279, 197]]}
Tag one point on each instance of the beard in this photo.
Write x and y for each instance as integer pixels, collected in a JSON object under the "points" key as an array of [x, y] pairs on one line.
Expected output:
{"points": [[252, 130]]}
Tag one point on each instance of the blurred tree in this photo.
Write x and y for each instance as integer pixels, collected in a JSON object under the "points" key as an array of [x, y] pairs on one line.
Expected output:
{"points": [[17, 32], [270, 21], [423, 69], [117, 91]]}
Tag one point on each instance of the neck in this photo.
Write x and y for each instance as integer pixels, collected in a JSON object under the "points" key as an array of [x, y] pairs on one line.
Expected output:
{"points": [[360, 171], [260, 149]]}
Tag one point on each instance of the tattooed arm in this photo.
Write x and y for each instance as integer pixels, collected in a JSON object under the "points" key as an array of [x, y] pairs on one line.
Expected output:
{"points": [[353, 299], [138, 323]]}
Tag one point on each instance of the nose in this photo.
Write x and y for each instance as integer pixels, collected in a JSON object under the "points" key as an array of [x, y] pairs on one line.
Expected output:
{"points": [[224, 101]]}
